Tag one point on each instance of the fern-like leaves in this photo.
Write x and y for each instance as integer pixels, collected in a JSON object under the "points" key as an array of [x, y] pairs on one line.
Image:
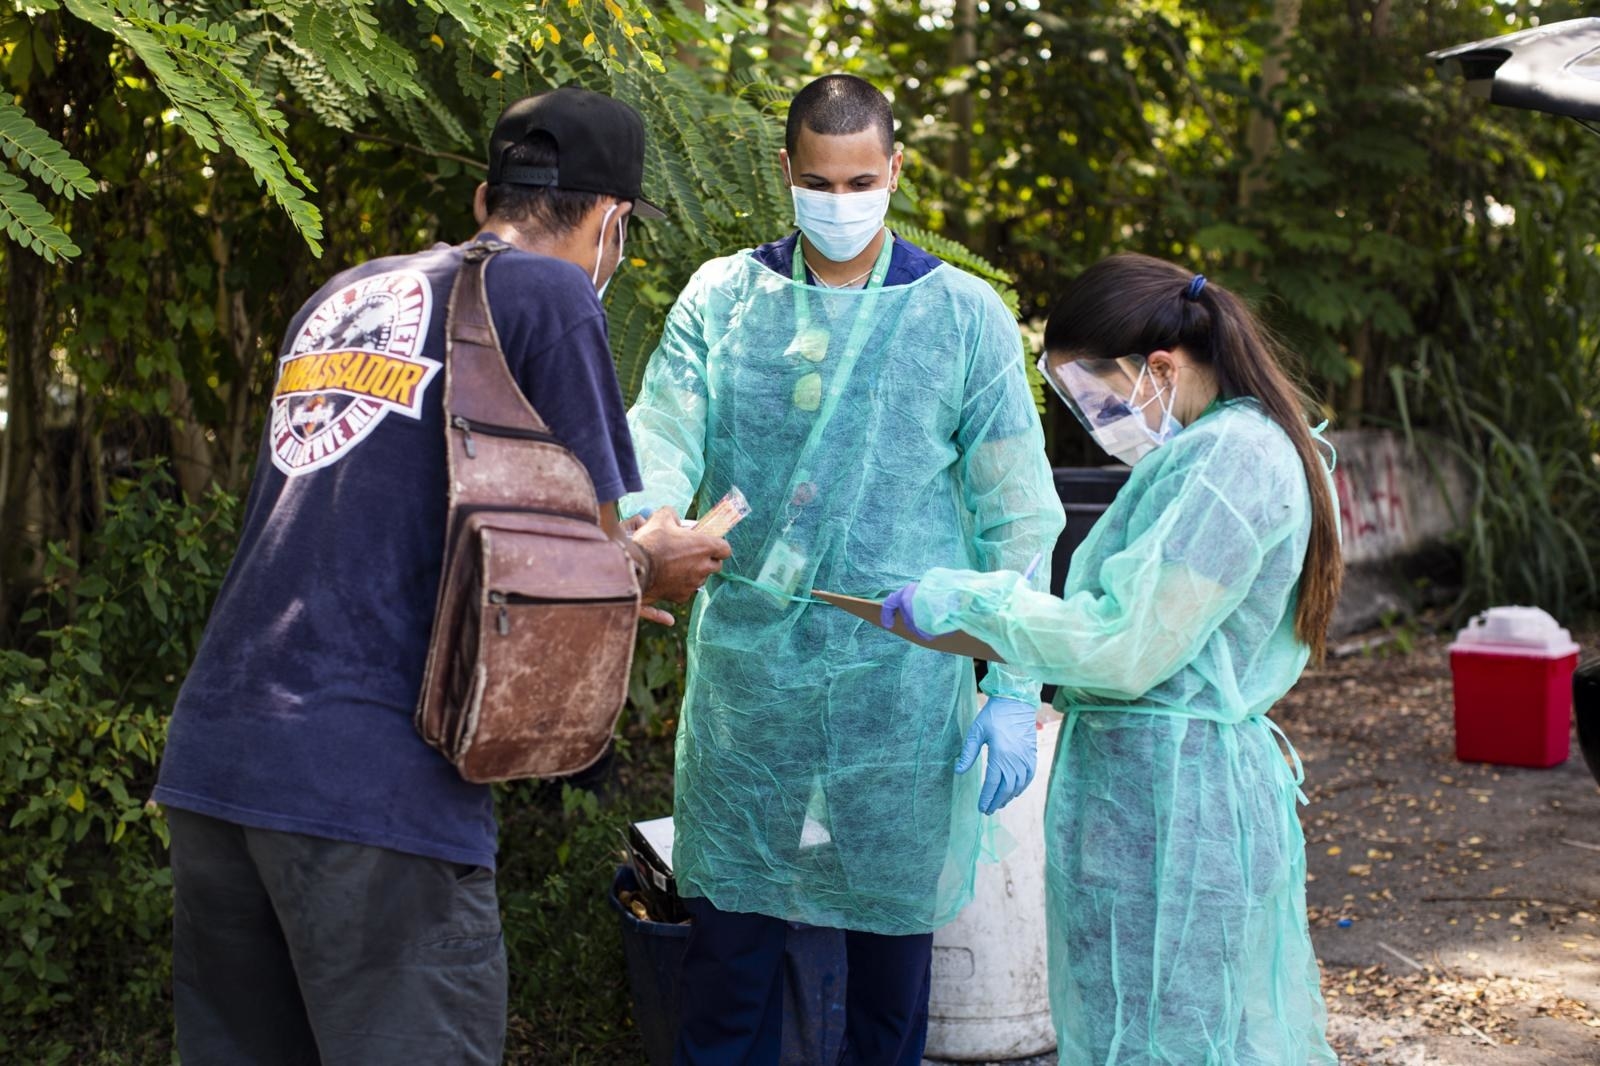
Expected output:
{"points": [[25, 143], [24, 218], [26, 221], [195, 65]]}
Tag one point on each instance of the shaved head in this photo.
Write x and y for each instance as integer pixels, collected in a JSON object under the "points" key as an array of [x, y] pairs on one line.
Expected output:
{"points": [[840, 104]]}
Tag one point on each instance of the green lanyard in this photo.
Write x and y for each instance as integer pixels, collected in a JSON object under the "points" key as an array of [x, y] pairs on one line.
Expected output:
{"points": [[852, 350], [880, 266], [784, 559]]}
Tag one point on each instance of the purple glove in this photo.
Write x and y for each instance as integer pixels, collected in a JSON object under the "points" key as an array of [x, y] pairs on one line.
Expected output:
{"points": [[900, 601]]}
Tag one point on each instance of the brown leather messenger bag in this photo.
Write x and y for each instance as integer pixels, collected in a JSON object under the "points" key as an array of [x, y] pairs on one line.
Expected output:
{"points": [[534, 628]]}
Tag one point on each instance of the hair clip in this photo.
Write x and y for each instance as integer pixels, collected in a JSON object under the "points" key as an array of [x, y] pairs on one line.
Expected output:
{"points": [[1193, 292]]}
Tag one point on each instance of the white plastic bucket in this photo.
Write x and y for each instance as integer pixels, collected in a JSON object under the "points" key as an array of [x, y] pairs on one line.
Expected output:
{"points": [[990, 996]]}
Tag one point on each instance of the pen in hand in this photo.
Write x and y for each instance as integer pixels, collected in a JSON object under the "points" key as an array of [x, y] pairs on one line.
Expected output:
{"points": [[1027, 575]]}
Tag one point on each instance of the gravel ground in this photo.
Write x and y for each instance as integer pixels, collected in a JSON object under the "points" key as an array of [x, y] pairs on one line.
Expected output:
{"points": [[1455, 906]]}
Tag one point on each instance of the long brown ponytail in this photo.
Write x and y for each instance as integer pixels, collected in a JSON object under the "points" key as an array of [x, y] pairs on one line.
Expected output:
{"points": [[1130, 303]]}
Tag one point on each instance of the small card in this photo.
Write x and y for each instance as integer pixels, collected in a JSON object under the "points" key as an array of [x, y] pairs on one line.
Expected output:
{"points": [[728, 512]]}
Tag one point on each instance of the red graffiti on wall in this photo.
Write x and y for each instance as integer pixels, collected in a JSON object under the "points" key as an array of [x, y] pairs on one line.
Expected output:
{"points": [[1371, 505]]}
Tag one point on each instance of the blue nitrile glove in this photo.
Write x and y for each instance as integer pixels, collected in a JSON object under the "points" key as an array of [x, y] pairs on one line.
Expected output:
{"points": [[1009, 728], [900, 600]]}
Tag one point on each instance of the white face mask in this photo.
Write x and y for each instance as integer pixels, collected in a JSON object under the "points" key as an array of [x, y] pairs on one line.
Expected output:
{"points": [[1130, 437], [1127, 439], [840, 225], [600, 247]]}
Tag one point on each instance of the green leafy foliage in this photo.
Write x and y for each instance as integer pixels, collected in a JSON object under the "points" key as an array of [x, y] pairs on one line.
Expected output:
{"points": [[28, 223], [82, 720], [220, 63], [1519, 405], [24, 142], [1080, 130], [194, 65]]}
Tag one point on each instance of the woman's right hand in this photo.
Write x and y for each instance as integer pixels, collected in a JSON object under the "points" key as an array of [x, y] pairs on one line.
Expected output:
{"points": [[899, 602]]}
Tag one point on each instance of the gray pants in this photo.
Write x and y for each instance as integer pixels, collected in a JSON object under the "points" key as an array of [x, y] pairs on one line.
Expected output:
{"points": [[291, 949]]}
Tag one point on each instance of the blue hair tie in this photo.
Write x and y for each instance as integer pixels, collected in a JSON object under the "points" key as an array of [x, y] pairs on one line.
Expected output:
{"points": [[1193, 292]]}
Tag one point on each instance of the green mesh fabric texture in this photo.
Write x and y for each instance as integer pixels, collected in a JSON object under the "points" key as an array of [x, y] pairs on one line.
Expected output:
{"points": [[876, 433], [1175, 860]]}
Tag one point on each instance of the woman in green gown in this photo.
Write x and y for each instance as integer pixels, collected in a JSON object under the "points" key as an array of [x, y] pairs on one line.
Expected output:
{"points": [[1176, 863]]}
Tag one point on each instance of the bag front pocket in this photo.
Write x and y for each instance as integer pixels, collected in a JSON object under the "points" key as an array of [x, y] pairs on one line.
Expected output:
{"points": [[550, 680], [541, 671]]}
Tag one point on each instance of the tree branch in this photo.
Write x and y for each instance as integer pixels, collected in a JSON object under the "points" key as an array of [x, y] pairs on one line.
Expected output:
{"points": [[378, 138]]}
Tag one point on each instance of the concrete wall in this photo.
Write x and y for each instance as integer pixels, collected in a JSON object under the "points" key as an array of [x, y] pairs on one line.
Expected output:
{"points": [[1397, 506]]}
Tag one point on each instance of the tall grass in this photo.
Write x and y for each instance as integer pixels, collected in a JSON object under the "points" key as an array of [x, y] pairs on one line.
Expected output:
{"points": [[1515, 393]]}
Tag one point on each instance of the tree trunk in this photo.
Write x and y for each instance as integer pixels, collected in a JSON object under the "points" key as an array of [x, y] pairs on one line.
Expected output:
{"points": [[22, 448], [963, 57], [242, 338], [1261, 133], [688, 54], [194, 461], [783, 47], [1355, 390]]}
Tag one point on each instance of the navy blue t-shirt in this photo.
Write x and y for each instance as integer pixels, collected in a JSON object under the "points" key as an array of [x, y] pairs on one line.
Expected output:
{"points": [[907, 262], [297, 712]]}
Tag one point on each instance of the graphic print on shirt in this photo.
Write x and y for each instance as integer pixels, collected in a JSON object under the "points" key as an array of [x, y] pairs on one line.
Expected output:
{"points": [[357, 360]]}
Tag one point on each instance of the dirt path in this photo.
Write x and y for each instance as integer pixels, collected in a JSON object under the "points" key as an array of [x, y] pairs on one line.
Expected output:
{"points": [[1455, 907]]}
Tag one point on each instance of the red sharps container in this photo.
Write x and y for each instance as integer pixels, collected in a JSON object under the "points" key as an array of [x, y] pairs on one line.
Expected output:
{"points": [[1512, 668]]}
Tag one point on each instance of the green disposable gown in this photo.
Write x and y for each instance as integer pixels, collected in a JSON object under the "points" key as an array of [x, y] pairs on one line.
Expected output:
{"points": [[1175, 860], [876, 433]]}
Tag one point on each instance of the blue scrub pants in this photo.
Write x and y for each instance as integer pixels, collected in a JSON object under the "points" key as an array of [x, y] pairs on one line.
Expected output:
{"points": [[731, 993]]}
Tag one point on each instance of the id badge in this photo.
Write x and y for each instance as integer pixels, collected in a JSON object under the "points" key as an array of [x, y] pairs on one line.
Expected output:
{"points": [[782, 570]]}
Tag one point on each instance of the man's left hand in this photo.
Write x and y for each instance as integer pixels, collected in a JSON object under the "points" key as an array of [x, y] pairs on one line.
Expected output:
{"points": [[1010, 729]]}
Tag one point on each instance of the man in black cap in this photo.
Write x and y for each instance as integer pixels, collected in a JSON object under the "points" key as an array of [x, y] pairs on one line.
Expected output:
{"points": [[333, 874]]}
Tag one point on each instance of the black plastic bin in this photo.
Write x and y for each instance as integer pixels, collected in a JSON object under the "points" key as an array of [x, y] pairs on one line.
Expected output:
{"points": [[1586, 705], [654, 953], [1085, 493], [814, 982]]}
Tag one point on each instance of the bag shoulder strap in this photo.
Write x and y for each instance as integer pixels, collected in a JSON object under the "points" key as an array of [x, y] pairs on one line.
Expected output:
{"points": [[478, 385]]}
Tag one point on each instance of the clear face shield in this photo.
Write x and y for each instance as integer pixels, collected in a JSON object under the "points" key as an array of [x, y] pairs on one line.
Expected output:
{"points": [[1119, 402]]}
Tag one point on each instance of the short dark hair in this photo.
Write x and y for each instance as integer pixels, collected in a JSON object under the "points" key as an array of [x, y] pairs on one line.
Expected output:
{"points": [[554, 211], [837, 104]]}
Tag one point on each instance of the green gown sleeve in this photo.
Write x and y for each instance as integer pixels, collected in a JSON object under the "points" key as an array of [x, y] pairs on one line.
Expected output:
{"points": [[1156, 602], [668, 420], [1005, 476]]}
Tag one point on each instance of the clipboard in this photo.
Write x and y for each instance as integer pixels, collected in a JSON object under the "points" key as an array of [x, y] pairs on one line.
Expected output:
{"points": [[957, 643]]}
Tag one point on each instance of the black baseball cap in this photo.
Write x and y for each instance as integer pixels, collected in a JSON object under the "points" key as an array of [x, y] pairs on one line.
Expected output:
{"points": [[599, 145]]}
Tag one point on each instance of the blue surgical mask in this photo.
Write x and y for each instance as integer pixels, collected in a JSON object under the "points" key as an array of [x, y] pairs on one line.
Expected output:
{"points": [[840, 225]]}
